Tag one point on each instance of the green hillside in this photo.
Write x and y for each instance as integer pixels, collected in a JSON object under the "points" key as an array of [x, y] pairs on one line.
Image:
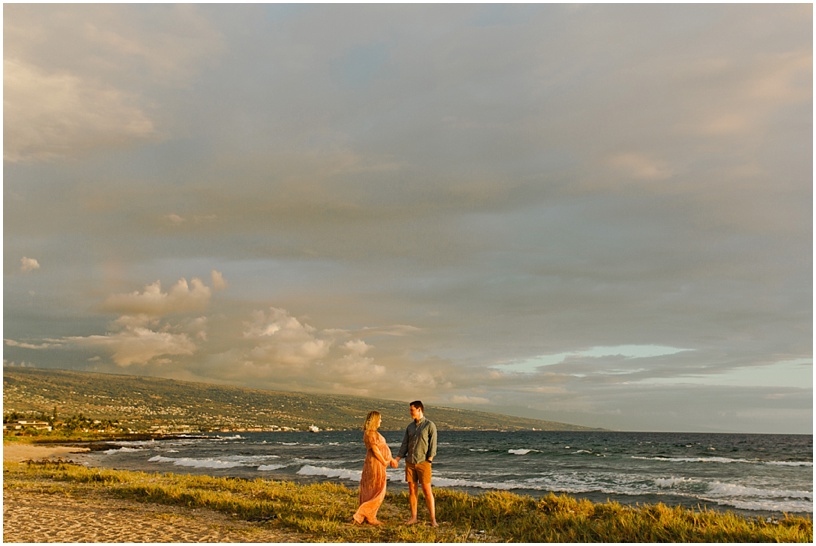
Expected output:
{"points": [[153, 404]]}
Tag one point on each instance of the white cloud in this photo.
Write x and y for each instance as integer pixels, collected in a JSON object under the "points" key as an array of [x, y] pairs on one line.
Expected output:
{"points": [[181, 298], [283, 339], [28, 264], [141, 336], [139, 345], [23, 345]]}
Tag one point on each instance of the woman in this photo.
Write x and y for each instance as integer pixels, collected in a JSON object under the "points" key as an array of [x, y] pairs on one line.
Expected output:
{"points": [[372, 482]]}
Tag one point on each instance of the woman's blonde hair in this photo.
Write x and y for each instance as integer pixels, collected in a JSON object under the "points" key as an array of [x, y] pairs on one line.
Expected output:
{"points": [[371, 420]]}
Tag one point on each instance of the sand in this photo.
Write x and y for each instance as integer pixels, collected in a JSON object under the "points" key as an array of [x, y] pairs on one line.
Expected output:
{"points": [[17, 453], [51, 511]]}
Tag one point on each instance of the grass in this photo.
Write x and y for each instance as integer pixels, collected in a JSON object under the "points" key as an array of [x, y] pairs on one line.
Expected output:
{"points": [[322, 512]]}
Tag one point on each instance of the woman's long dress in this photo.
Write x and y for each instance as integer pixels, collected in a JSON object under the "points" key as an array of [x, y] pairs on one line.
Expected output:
{"points": [[372, 482]]}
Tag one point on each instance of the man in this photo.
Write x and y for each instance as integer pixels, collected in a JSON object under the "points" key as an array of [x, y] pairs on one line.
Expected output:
{"points": [[419, 449]]}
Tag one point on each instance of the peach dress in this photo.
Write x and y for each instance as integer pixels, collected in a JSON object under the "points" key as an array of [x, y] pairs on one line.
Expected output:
{"points": [[372, 482]]}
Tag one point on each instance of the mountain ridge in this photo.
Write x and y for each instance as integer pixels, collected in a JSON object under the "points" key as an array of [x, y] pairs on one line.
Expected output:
{"points": [[146, 403]]}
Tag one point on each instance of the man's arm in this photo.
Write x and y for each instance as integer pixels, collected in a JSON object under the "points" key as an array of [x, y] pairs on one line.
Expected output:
{"points": [[431, 442], [404, 447]]}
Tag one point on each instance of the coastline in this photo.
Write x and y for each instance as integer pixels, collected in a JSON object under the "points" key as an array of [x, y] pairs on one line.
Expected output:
{"points": [[48, 498], [37, 510]]}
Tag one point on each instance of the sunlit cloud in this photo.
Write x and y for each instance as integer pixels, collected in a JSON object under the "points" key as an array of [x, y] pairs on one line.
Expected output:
{"points": [[138, 345], [24, 345], [182, 297], [28, 264]]}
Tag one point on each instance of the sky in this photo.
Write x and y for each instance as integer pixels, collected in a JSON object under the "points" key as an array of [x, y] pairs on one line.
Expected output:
{"points": [[595, 214]]}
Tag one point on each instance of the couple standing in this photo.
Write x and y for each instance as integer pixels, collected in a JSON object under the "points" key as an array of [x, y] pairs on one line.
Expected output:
{"points": [[418, 447]]}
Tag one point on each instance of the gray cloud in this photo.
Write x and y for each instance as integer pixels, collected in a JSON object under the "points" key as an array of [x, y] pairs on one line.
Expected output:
{"points": [[419, 195]]}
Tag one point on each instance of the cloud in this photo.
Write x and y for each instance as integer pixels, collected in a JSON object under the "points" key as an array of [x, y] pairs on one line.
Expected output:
{"points": [[35, 346], [182, 297], [75, 82], [284, 340], [141, 335], [409, 203], [28, 264], [139, 345], [284, 350], [56, 115], [218, 281]]}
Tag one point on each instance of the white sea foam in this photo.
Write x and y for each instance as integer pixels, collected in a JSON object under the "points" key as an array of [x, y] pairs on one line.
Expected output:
{"points": [[134, 443], [720, 489], [772, 505], [522, 451], [268, 467], [455, 482], [248, 459], [751, 498], [122, 450], [722, 460], [234, 437], [342, 473], [668, 483], [194, 463]]}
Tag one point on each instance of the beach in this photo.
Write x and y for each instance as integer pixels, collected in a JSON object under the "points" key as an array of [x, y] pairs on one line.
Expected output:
{"points": [[40, 511]]}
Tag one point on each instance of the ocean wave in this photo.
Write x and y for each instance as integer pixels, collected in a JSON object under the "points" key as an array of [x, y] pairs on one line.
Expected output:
{"points": [[669, 483], [729, 490], [123, 449], [773, 505], [194, 463], [234, 437], [342, 473], [522, 451], [248, 459], [722, 460], [458, 482], [268, 467], [134, 443]]}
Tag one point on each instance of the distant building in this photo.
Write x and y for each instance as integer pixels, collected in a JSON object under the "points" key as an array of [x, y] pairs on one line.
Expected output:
{"points": [[24, 424]]}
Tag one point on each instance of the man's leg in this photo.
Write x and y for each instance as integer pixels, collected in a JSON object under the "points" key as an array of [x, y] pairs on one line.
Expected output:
{"points": [[429, 502], [412, 502]]}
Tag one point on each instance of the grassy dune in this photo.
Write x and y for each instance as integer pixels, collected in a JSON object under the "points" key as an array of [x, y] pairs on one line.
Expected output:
{"points": [[322, 512]]}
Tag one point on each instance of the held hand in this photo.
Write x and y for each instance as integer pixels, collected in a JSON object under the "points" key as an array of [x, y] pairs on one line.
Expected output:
{"points": [[394, 463]]}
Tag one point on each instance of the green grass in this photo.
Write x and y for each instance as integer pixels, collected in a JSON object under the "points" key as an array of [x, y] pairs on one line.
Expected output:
{"points": [[322, 512]]}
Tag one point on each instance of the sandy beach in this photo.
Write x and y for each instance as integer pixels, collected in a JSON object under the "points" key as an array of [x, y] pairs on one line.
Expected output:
{"points": [[40, 511]]}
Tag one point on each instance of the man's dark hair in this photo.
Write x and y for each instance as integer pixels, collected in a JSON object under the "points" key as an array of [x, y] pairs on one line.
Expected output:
{"points": [[417, 404]]}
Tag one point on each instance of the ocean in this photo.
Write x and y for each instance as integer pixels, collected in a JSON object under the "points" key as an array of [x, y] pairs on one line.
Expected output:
{"points": [[752, 474]]}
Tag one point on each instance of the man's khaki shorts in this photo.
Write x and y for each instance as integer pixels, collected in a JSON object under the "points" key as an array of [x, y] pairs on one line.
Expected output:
{"points": [[418, 473]]}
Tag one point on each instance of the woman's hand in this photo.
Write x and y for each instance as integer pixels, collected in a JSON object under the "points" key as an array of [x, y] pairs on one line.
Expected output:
{"points": [[394, 463]]}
